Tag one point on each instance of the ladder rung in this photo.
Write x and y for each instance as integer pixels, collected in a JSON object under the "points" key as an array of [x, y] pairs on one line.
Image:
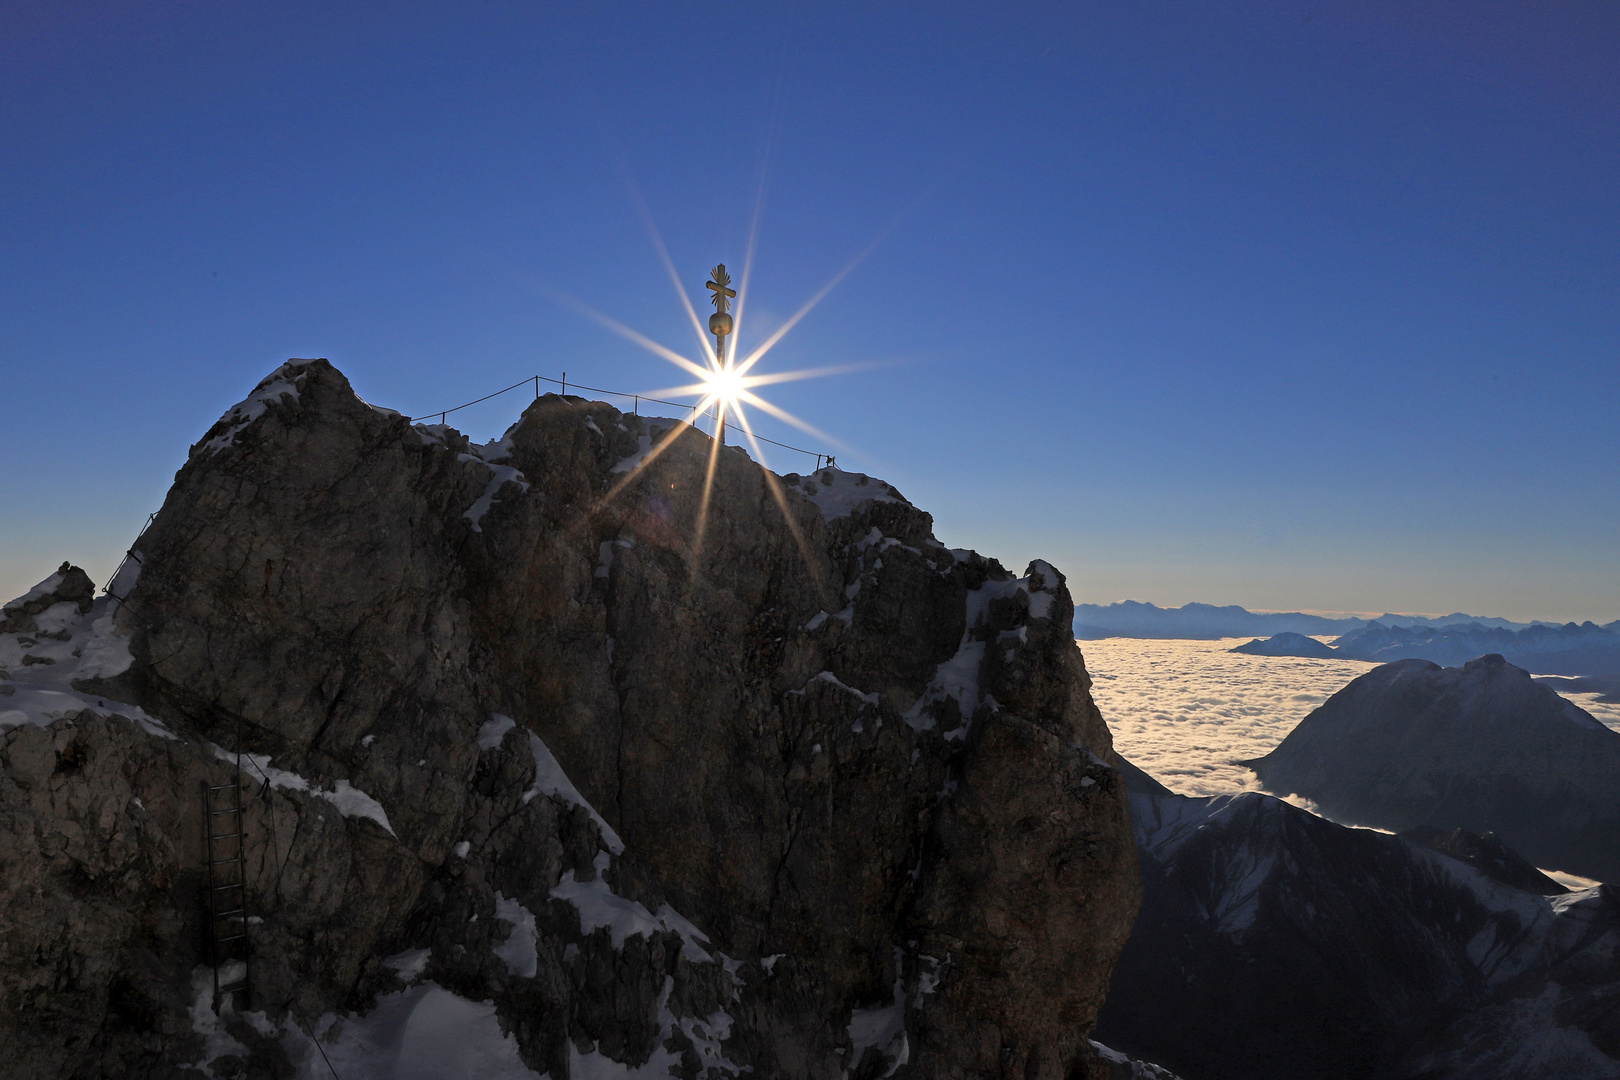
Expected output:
{"points": [[223, 787], [227, 810], [234, 913], [234, 885], [225, 836], [222, 862], [233, 937]]}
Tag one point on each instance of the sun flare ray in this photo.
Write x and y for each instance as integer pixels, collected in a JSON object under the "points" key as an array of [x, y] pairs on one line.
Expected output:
{"points": [[703, 503], [635, 336], [788, 418], [724, 384], [788, 518], [674, 276], [655, 452], [748, 261], [750, 381], [809, 305]]}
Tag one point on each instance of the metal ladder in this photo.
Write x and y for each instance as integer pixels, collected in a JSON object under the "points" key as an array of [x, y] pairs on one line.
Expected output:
{"points": [[229, 948]]}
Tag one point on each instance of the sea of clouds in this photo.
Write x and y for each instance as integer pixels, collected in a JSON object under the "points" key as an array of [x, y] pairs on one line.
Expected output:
{"points": [[1186, 712]]}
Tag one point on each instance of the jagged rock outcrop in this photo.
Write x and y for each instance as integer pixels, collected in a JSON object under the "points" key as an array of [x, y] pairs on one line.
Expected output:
{"points": [[696, 777], [1273, 944], [69, 585], [1481, 747]]}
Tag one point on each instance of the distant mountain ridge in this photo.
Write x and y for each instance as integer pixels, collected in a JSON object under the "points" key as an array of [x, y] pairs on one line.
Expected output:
{"points": [[1132, 618], [1584, 650]]}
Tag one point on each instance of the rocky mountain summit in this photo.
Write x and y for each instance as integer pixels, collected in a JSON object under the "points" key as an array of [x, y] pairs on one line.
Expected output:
{"points": [[1481, 747], [596, 750]]}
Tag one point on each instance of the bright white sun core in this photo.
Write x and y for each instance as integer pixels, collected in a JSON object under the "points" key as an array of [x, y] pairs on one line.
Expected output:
{"points": [[727, 384]]}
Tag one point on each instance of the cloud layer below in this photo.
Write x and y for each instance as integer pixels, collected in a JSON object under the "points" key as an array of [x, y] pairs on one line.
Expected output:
{"points": [[1187, 711]]}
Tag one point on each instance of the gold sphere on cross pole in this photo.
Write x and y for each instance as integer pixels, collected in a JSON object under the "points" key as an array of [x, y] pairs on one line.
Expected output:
{"points": [[720, 323]]}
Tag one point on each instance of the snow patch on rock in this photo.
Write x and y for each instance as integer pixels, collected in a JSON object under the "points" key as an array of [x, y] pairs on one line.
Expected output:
{"points": [[504, 474], [837, 493], [409, 965], [598, 906], [833, 680], [273, 388], [494, 730], [706, 1033], [422, 1033], [349, 800], [40, 667], [518, 950], [654, 425], [882, 1027]]}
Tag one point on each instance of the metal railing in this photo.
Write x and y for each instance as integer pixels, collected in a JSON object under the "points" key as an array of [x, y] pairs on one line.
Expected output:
{"points": [[636, 400]]}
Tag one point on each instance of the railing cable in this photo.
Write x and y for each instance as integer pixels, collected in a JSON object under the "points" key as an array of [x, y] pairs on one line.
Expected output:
{"points": [[636, 400]]}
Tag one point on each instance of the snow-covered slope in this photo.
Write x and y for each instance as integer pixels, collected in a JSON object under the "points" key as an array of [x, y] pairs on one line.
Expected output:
{"points": [[60, 633], [1275, 944]]}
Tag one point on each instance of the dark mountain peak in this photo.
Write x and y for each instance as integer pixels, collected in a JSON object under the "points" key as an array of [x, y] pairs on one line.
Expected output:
{"points": [[1287, 643], [1481, 747]]}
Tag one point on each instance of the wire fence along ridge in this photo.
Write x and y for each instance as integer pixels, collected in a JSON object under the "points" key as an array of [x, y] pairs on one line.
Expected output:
{"points": [[536, 380]]}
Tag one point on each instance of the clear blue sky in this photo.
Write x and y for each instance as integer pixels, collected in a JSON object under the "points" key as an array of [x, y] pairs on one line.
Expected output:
{"points": [[1293, 305]]}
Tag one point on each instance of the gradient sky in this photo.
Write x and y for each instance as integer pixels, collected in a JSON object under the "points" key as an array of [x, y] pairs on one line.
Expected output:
{"points": [[1292, 305]]}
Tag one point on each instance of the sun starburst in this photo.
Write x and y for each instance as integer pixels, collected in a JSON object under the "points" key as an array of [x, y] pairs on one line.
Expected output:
{"points": [[724, 388]]}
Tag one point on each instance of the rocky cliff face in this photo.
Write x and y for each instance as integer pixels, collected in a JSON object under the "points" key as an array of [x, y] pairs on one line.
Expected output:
{"points": [[678, 767], [1480, 747]]}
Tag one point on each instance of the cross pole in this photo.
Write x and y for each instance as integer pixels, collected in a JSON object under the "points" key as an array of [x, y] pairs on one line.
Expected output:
{"points": [[721, 324]]}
